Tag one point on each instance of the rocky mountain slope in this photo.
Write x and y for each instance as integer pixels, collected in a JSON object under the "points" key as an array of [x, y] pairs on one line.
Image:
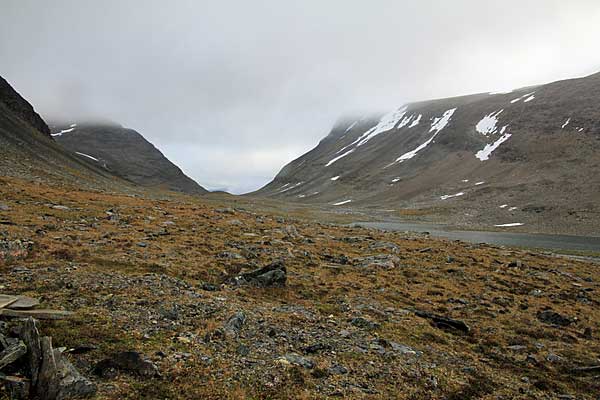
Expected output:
{"points": [[124, 152], [13, 102], [528, 159], [28, 151]]}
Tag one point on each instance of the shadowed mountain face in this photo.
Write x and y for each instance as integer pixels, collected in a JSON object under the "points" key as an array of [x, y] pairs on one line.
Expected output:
{"points": [[125, 153], [529, 157], [17, 105], [27, 150]]}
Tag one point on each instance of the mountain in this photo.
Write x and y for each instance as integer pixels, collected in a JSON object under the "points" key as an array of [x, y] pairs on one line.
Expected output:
{"points": [[526, 158], [28, 151], [124, 152], [19, 107]]}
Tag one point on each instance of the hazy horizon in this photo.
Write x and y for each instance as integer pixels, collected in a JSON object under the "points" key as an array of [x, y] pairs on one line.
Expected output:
{"points": [[231, 92]]}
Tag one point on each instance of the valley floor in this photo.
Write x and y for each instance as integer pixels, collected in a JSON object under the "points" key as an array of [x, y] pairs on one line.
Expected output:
{"points": [[363, 313]]}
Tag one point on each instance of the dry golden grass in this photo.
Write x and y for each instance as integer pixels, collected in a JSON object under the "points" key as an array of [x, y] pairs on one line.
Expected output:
{"points": [[89, 263]]}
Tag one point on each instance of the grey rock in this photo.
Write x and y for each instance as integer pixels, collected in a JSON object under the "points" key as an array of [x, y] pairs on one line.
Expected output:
{"points": [[394, 248], [209, 287], [553, 318], [364, 323], [272, 275], [30, 335], [295, 359], [128, 361], [553, 358], [338, 370], [234, 324], [24, 303], [444, 323], [18, 387], [12, 353]]}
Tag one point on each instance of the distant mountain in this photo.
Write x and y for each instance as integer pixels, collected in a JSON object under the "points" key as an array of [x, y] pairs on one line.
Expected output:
{"points": [[27, 150], [125, 153], [531, 157]]}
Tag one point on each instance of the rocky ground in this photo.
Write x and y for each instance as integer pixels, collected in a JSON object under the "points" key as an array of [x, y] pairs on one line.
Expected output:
{"points": [[183, 298]]}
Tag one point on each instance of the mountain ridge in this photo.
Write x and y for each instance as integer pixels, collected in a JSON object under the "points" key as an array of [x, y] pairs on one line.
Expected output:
{"points": [[531, 146], [126, 153]]}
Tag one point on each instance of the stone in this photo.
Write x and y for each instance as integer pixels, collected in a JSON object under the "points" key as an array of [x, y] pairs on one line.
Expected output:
{"points": [[444, 323], [298, 360], [234, 324], [17, 386], [588, 370], [209, 287], [553, 318], [364, 323], [316, 348], [12, 353], [58, 379], [24, 303], [6, 300], [4, 207], [292, 232], [380, 261], [338, 370], [272, 275], [30, 335], [128, 361], [38, 314]]}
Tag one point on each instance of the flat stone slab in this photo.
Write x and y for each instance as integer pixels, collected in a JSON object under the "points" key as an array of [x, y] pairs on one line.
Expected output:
{"points": [[39, 314], [24, 303], [6, 300]]}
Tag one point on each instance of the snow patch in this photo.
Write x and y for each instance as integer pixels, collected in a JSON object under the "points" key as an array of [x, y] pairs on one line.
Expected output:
{"points": [[479, 183], [487, 151], [509, 225], [335, 178], [488, 124], [501, 92], [291, 187], [339, 157], [528, 97], [386, 123], [449, 196], [416, 121], [512, 208], [395, 180], [565, 124], [87, 155], [436, 127], [504, 206], [63, 131], [465, 180], [341, 203], [351, 126]]}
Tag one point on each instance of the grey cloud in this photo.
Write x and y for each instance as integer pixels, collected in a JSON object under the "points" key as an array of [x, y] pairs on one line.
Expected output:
{"points": [[232, 90]]}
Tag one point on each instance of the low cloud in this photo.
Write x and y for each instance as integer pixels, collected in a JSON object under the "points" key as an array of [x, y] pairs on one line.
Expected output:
{"points": [[231, 91]]}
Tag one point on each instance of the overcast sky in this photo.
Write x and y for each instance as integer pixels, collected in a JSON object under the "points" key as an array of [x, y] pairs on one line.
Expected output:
{"points": [[232, 90]]}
